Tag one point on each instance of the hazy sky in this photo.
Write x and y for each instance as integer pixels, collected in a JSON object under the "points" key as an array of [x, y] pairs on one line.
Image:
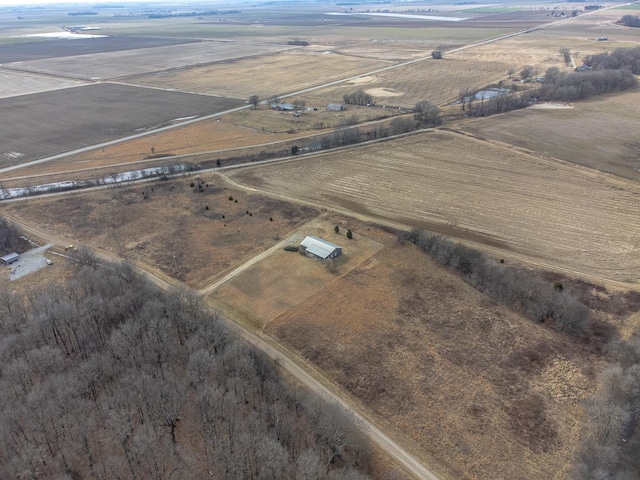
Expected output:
{"points": [[75, 5]]}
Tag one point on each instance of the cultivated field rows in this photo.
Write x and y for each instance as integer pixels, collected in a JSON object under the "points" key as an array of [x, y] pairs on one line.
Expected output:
{"points": [[548, 211], [47, 123], [265, 75], [438, 81], [20, 83], [153, 61], [600, 133]]}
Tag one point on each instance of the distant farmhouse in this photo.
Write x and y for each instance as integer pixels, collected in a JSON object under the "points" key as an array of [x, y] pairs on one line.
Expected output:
{"points": [[320, 249], [9, 259], [283, 107], [335, 107]]}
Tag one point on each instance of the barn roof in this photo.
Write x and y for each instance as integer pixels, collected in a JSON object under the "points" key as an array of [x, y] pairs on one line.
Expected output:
{"points": [[319, 247], [11, 257]]}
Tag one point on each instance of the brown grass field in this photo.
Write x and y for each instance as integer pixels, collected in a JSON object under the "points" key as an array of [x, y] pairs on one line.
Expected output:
{"points": [[550, 212], [601, 133], [285, 279], [468, 386], [167, 225]]}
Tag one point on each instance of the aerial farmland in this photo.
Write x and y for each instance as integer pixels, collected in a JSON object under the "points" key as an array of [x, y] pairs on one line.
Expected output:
{"points": [[476, 165]]}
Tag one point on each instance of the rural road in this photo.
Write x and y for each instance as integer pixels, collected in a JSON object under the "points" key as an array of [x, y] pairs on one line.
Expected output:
{"points": [[286, 95], [287, 360]]}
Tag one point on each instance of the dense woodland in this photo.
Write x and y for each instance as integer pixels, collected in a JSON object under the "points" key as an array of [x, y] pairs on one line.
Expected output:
{"points": [[10, 239], [108, 377]]}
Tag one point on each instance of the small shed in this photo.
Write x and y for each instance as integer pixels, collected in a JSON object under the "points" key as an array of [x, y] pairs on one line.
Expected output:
{"points": [[10, 258], [335, 107], [285, 107], [320, 249]]}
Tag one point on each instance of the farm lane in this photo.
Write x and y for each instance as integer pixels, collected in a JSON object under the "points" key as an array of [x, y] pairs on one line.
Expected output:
{"points": [[287, 361], [287, 95], [458, 235]]}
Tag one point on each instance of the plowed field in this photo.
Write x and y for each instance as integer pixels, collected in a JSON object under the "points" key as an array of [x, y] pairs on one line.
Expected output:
{"points": [[265, 76], [550, 212]]}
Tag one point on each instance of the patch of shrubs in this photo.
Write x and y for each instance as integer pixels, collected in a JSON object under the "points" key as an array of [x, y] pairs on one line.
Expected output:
{"points": [[290, 248], [538, 300]]}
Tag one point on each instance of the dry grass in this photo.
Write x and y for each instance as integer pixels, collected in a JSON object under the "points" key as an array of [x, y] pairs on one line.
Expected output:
{"points": [[545, 210], [471, 388], [285, 279], [600, 133], [167, 225]]}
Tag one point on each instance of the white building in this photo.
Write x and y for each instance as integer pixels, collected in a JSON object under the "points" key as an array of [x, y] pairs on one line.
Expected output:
{"points": [[320, 249]]}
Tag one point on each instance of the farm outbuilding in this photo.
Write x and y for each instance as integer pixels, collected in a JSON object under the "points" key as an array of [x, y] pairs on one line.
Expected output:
{"points": [[335, 107], [320, 249], [9, 259]]}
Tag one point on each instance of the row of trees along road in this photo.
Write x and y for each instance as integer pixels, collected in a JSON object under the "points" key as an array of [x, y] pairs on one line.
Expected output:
{"points": [[107, 377], [604, 73]]}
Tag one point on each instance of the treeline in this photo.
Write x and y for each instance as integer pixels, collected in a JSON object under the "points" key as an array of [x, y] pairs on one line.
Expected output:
{"points": [[10, 239], [583, 85], [606, 73], [358, 98], [502, 103], [610, 447], [620, 58], [107, 377], [517, 289], [629, 21]]}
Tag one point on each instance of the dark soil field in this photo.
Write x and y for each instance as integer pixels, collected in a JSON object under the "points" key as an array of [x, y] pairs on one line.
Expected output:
{"points": [[20, 52], [47, 123]]}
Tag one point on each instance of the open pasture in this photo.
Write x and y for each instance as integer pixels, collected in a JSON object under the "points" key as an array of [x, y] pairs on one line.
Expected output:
{"points": [[114, 64], [442, 367], [546, 211], [285, 279], [14, 83], [167, 225], [47, 123], [600, 133], [265, 75]]}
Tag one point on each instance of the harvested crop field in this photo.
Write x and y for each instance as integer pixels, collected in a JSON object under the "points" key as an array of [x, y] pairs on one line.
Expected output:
{"points": [[47, 123], [265, 75], [22, 83], [167, 225], [469, 387], [547, 211], [601, 133], [114, 64], [26, 51]]}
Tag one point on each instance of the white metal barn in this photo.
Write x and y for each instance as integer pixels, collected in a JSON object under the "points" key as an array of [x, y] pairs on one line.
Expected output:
{"points": [[320, 249], [9, 259]]}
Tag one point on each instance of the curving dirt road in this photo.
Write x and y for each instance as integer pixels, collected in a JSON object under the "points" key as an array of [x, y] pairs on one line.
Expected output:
{"points": [[288, 361]]}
